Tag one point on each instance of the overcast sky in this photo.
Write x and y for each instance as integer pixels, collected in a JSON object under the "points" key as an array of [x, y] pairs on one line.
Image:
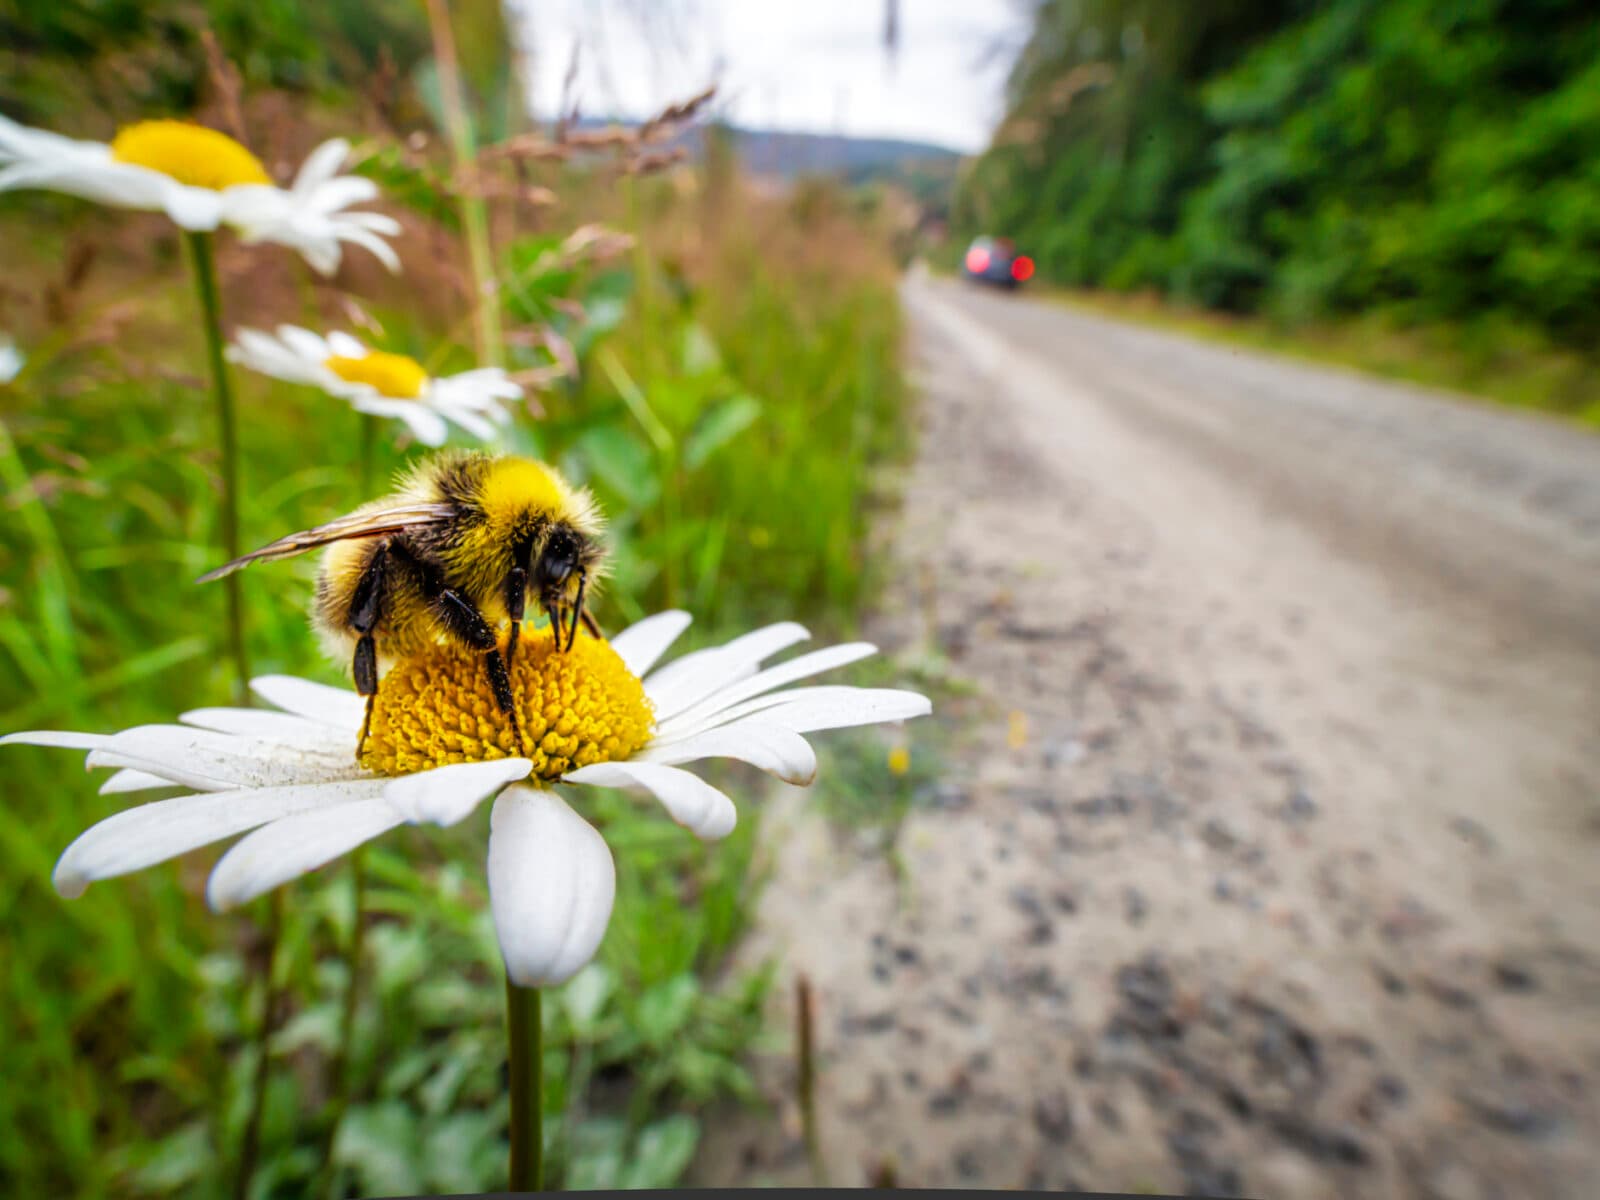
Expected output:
{"points": [[817, 66]]}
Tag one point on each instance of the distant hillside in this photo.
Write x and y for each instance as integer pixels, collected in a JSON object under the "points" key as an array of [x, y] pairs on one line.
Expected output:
{"points": [[777, 152], [774, 152]]}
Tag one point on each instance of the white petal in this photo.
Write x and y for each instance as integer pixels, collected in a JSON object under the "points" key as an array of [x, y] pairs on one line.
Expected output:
{"points": [[321, 255], [196, 209], [342, 193], [643, 642], [470, 421], [294, 845], [141, 837], [303, 342], [346, 346], [771, 747], [689, 800], [770, 680], [213, 762], [446, 794], [693, 677], [322, 164], [317, 701], [428, 427], [284, 728], [806, 710], [371, 222], [552, 883], [129, 780], [66, 739], [358, 235]]}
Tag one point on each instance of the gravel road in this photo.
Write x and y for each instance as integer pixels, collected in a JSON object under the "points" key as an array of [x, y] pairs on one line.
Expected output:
{"points": [[1265, 863]]}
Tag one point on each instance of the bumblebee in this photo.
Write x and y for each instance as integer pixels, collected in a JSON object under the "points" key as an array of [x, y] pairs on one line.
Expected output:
{"points": [[452, 554]]}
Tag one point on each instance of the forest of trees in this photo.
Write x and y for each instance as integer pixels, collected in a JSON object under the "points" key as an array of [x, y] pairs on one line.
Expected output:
{"points": [[1439, 159]]}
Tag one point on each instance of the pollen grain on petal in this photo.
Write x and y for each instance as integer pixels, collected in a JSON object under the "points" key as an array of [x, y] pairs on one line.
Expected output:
{"points": [[393, 376], [189, 153], [576, 708]]}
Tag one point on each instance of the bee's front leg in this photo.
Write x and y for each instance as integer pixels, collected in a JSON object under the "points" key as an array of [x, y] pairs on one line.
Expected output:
{"points": [[516, 599], [462, 618]]}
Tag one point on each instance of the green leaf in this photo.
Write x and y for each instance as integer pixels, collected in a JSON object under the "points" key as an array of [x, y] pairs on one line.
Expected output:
{"points": [[586, 995], [456, 1148], [176, 1160], [598, 1146], [379, 1142], [622, 463], [719, 426], [662, 1153], [700, 355], [664, 1009]]}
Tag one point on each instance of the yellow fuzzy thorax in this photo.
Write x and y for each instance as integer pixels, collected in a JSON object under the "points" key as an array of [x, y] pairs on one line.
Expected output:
{"points": [[576, 707], [191, 154], [391, 375], [514, 486]]}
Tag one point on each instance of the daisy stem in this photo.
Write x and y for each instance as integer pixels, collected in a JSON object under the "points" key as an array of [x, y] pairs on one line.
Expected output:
{"points": [[205, 278], [347, 1017], [525, 1031], [368, 445], [250, 1145]]}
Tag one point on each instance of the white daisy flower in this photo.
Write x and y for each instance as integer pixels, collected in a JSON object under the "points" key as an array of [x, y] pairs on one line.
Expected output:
{"points": [[383, 384], [11, 359], [437, 746], [203, 179]]}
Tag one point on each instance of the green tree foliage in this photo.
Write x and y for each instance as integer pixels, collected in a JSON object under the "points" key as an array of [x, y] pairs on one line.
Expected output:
{"points": [[1437, 157], [145, 56]]}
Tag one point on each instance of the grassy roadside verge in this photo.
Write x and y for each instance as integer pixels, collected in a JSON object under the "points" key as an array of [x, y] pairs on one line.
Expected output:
{"points": [[1490, 360]]}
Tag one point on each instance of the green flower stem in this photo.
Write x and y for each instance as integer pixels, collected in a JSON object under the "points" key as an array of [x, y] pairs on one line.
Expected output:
{"points": [[250, 1145], [347, 1017], [368, 444], [526, 1035], [205, 279]]}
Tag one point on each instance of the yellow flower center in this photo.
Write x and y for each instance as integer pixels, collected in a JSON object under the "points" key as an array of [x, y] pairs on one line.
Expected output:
{"points": [[576, 707], [393, 375], [191, 154]]}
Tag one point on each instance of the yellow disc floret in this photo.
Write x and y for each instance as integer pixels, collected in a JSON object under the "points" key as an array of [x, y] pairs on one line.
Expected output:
{"points": [[191, 154], [392, 375], [576, 707]]}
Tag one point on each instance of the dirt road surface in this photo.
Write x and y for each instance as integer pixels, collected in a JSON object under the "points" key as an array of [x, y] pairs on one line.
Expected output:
{"points": [[1268, 858]]}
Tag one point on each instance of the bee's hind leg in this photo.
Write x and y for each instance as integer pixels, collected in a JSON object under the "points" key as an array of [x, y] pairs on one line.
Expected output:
{"points": [[366, 606], [365, 670]]}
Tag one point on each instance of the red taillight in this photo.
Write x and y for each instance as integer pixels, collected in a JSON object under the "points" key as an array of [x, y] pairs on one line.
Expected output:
{"points": [[1022, 268], [977, 260]]}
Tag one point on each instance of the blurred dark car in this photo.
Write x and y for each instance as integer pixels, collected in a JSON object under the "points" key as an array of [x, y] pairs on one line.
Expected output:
{"points": [[996, 261]]}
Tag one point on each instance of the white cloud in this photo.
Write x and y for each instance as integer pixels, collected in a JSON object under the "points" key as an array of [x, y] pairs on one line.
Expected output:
{"points": [[818, 66]]}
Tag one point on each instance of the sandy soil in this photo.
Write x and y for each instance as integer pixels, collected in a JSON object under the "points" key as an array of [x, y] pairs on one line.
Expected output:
{"points": [[1290, 888]]}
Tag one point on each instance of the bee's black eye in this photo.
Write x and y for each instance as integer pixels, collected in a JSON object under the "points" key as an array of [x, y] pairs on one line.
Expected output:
{"points": [[559, 560]]}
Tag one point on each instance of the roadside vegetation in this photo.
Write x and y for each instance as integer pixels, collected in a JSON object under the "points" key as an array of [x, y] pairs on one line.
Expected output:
{"points": [[727, 384]]}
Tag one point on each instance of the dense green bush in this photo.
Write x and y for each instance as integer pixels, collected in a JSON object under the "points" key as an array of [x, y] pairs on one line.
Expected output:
{"points": [[1440, 158]]}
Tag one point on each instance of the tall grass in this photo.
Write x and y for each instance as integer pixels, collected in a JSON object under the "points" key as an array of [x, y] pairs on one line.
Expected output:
{"points": [[736, 384]]}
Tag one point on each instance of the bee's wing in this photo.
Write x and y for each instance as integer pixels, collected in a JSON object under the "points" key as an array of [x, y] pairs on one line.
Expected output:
{"points": [[375, 523]]}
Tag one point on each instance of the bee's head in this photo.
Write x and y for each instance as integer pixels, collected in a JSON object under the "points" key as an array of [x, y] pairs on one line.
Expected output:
{"points": [[566, 553]]}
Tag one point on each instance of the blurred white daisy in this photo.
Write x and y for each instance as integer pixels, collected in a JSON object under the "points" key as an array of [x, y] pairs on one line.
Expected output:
{"points": [[203, 179], [383, 384], [437, 746], [11, 359]]}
